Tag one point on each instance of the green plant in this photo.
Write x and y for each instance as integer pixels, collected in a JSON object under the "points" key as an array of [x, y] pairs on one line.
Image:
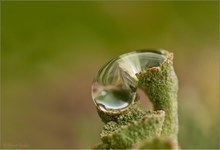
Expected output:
{"points": [[132, 127]]}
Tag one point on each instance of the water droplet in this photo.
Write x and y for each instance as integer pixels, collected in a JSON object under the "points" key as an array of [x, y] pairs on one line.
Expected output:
{"points": [[116, 83]]}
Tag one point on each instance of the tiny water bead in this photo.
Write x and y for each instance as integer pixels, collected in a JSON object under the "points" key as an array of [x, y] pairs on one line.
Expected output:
{"points": [[115, 85]]}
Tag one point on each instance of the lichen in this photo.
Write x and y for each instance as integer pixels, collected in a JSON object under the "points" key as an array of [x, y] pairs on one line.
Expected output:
{"points": [[132, 126], [161, 86], [125, 133]]}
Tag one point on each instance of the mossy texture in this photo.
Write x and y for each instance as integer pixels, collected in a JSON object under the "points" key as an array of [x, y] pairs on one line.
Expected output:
{"points": [[125, 134], [161, 86], [151, 129], [128, 113]]}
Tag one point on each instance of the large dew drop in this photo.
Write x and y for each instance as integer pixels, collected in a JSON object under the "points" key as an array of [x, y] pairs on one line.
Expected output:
{"points": [[116, 83]]}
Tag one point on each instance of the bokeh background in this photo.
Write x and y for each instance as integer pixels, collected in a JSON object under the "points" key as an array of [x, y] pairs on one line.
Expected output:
{"points": [[51, 51]]}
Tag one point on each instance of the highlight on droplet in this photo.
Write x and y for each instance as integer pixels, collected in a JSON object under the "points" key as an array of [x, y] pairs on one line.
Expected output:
{"points": [[115, 85]]}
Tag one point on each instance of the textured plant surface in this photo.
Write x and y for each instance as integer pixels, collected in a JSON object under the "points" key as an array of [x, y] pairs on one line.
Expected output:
{"points": [[135, 128], [161, 86]]}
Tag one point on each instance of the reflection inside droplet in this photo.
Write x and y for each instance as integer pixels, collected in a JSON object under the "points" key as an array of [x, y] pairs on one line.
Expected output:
{"points": [[116, 83], [113, 97]]}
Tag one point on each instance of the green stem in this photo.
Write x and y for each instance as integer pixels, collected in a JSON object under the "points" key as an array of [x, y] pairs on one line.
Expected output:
{"points": [[161, 86], [127, 128]]}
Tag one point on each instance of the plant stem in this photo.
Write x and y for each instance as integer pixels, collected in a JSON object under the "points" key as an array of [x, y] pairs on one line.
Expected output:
{"points": [[124, 129], [161, 86]]}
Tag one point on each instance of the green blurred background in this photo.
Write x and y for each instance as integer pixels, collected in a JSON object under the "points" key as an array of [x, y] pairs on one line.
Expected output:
{"points": [[51, 51]]}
